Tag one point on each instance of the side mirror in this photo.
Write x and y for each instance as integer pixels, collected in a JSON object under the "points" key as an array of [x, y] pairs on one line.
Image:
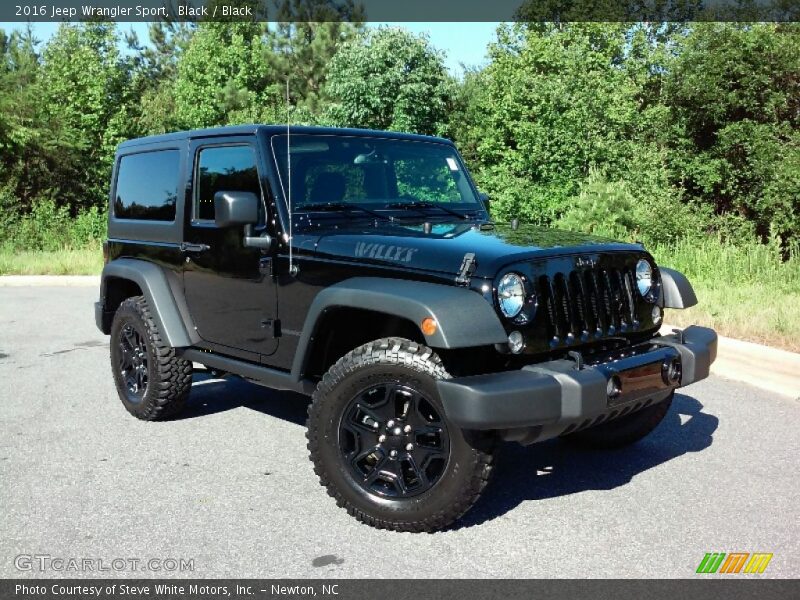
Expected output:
{"points": [[486, 202], [233, 209]]}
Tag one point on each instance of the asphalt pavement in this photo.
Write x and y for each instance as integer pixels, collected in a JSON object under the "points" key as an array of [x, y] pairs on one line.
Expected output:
{"points": [[228, 489]]}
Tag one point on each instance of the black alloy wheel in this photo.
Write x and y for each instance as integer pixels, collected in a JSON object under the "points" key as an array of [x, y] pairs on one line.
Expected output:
{"points": [[133, 363], [394, 440]]}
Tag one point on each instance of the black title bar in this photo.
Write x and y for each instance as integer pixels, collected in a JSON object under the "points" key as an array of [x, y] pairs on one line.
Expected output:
{"points": [[704, 588], [407, 10]]}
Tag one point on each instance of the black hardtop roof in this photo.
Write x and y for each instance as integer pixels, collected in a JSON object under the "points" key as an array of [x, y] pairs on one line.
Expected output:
{"points": [[275, 130]]}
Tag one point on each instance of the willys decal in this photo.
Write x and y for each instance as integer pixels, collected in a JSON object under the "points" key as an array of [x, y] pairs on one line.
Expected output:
{"points": [[384, 252]]}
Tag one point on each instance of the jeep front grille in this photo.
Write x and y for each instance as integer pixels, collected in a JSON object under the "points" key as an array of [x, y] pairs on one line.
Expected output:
{"points": [[588, 304]]}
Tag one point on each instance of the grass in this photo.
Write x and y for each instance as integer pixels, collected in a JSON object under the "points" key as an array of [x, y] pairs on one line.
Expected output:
{"points": [[744, 292], [86, 261], [752, 312]]}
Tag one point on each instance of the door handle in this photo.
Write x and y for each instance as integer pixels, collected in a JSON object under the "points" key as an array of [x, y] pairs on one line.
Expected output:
{"points": [[194, 247]]}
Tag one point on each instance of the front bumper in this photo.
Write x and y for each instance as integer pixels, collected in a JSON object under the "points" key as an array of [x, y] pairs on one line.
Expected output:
{"points": [[557, 397]]}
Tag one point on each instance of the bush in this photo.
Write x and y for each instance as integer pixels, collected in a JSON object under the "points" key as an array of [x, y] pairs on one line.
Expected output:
{"points": [[605, 208], [649, 211], [49, 227], [518, 197], [88, 229]]}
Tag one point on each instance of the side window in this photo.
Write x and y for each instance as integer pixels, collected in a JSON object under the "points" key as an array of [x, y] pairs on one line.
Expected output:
{"points": [[224, 168], [147, 186]]}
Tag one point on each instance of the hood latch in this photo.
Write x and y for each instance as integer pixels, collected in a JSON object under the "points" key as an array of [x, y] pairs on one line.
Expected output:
{"points": [[468, 266]]}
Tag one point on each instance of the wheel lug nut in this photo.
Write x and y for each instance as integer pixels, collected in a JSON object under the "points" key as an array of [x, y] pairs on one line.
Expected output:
{"points": [[390, 423], [381, 438], [407, 428], [393, 453], [409, 447]]}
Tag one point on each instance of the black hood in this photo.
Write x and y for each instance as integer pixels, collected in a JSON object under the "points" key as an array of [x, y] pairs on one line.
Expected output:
{"points": [[407, 246]]}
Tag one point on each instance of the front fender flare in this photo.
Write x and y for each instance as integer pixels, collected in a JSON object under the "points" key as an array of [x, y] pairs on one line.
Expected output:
{"points": [[464, 318], [152, 280], [676, 291]]}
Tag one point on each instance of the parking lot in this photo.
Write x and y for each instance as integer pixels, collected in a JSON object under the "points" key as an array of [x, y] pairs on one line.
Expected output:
{"points": [[229, 486]]}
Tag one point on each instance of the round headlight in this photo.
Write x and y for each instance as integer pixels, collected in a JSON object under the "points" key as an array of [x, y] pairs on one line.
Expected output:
{"points": [[644, 277], [511, 294]]}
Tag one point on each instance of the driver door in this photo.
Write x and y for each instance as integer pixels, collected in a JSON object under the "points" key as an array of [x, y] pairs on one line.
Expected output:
{"points": [[229, 288]]}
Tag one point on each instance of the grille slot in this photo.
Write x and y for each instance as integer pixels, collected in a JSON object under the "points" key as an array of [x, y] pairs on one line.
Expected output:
{"points": [[588, 304]]}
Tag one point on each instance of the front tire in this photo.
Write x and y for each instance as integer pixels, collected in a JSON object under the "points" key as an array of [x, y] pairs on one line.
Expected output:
{"points": [[152, 382], [382, 446], [624, 431]]}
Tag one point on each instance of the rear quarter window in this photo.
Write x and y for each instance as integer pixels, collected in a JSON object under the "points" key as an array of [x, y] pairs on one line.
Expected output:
{"points": [[147, 186]]}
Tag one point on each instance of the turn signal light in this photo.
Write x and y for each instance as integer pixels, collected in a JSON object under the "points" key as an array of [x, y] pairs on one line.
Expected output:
{"points": [[428, 326]]}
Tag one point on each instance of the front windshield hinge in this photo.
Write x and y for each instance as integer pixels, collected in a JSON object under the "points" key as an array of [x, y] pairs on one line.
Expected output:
{"points": [[468, 266]]}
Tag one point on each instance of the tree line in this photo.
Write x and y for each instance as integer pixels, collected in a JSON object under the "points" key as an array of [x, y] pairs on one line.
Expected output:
{"points": [[652, 131]]}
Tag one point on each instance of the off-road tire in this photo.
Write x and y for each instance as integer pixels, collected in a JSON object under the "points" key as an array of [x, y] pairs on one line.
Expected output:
{"points": [[623, 431], [169, 378], [408, 363]]}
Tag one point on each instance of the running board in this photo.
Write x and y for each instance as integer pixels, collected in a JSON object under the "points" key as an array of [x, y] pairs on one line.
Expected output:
{"points": [[279, 380]]}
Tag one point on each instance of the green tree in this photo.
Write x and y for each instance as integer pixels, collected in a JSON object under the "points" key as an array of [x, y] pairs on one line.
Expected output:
{"points": [[155, 69], [469, 104], [20, 132], [20, 137], [85, 88], [223, 76], [304, 40], [558, 101], [388, 78], [734, 95]]}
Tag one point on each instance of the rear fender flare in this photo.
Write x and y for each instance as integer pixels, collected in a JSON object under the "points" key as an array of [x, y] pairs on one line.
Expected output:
{"points": [[154, 283]]}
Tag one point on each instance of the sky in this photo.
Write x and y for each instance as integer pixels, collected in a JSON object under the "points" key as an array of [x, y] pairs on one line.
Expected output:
{"points": [[463, 43]]}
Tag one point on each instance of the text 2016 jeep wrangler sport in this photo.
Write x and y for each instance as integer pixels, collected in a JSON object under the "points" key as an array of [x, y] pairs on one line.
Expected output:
{"points": [[361, 268]]}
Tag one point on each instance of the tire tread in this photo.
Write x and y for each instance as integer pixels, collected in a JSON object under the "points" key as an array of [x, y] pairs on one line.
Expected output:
{"points": [[173, 374], [398, 351]]}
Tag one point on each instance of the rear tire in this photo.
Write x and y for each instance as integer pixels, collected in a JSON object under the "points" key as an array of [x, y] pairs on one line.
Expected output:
{"points": [[623, 431], [382, 446], [152, 382]]}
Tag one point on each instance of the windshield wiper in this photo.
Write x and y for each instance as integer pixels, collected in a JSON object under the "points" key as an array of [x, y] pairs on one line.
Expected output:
{"points": [[341, 207], [418, 204]]}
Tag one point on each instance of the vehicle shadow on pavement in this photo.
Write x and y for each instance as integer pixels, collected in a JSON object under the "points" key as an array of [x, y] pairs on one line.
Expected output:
{"points": [[547, 470], [556, 468], [210, 396]]}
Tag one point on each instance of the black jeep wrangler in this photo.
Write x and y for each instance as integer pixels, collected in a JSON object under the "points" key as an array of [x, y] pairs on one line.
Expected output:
{"points": [[362, 268]]}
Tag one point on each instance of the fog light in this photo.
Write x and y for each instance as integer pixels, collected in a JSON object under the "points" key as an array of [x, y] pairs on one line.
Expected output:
{"points": [[656, 315], [614, 387], [515, 342], [671, 372]]}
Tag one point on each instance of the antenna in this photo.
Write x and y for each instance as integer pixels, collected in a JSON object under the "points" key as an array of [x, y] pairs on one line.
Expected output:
{"points": [[292, 266]]}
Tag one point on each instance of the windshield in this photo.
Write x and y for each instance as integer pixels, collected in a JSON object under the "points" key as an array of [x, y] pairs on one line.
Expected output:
{"points": [[373, 174]]}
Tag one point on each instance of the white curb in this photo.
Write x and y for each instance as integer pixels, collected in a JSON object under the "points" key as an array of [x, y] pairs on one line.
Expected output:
{"points": [[50, 280]]}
